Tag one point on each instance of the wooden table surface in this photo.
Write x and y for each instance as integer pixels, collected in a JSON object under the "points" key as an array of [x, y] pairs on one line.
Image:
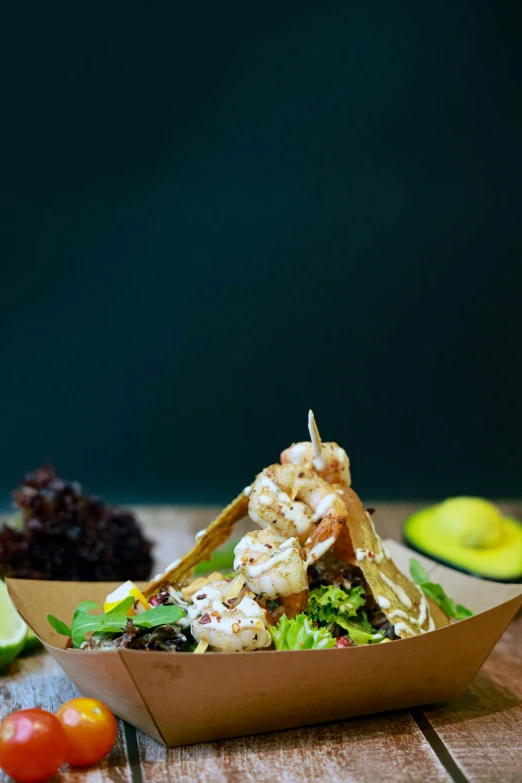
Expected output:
{"points": [[477, 738]]}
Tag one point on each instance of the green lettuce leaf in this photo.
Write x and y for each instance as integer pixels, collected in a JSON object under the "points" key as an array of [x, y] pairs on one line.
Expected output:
{"points": [[327, 604], [359, 630], [436, 592], [418, 572], [58, 625], [113, 621], [300, 634], [333, 605], [158, 615]]}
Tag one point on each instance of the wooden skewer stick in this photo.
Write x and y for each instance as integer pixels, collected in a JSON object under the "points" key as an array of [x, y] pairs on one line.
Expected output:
{"points": [[236, 587], [314, 435], [202, 646]]}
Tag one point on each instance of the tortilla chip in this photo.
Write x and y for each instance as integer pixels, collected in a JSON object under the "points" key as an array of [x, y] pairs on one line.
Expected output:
{"points": [[216, 534], [367, 543]]}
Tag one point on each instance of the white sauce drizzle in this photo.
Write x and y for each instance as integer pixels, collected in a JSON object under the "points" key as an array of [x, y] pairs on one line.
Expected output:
{"points": [[173, 564], [270, 564], [267, 482], [247, 491], [265, 500], [289, 543], [256, 570], [360, 554], [399, 613], [404, 628], [253, 542], [318, 550], [378, 557], [293, 510], [200, 534], [384, 549], [423, 611], [323, 507], [383, 602], [397, 589]]}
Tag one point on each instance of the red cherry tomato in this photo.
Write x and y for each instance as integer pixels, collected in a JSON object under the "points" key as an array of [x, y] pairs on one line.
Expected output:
{"points": [[33, 745], [90, 728], [342, 641]]}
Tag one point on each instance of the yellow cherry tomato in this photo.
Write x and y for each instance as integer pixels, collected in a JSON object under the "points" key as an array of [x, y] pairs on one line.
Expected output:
{"points": [[90, 728]]}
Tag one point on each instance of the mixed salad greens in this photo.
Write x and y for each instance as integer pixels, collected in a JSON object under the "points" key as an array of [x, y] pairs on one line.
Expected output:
{"points": [[335, 616], [332, 612], [109, 627]]}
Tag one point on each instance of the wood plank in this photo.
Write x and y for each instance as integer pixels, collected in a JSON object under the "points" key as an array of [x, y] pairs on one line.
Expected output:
{"points": [[483, 729], [36, 680], [362, 750]]}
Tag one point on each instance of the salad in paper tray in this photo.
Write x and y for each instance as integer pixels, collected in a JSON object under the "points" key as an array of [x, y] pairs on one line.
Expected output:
{"points": [[313, 575]]}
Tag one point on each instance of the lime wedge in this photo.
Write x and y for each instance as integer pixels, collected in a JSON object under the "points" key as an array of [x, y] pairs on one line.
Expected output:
{"points": [[13, 630], [31, 640]]}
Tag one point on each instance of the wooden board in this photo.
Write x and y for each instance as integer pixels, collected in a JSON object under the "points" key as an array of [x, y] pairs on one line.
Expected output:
{"points": [[478, 738], [386, 748], [483, 729]]}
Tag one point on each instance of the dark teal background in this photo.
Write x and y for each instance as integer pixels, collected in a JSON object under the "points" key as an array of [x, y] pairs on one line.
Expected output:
{"points": [[218, 215]]}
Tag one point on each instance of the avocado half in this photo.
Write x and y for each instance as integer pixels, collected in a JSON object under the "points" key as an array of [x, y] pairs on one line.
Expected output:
{"points": [[469, 534]]}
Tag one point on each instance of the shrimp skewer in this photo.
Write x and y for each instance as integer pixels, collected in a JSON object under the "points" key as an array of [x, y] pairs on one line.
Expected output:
{"points": [[332, 464]]}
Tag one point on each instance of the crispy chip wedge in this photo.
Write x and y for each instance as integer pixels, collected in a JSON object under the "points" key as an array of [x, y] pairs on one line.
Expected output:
{"points": [[216, 534], [384, 578]]}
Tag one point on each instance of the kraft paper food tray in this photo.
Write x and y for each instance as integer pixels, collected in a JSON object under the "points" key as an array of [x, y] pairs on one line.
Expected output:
{"points": [[181, 698]]}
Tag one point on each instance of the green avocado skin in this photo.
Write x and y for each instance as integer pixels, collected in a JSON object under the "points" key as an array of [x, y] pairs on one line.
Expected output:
{"points": [[502, 564]]}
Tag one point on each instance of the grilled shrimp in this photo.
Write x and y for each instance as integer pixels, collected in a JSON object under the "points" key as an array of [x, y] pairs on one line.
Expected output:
{"points": [[333, 465], [329, 460], [294, 501], [272, 566], [228, 625]]}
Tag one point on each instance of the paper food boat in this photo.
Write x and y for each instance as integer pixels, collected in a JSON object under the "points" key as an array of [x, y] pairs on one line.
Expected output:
{"points": [[181, 698]]}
